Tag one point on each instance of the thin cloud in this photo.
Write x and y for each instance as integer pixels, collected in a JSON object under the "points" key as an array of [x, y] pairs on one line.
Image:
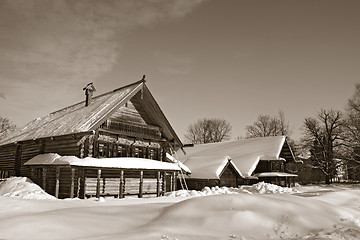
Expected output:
{"points": [[173, 63], [72, 40]]}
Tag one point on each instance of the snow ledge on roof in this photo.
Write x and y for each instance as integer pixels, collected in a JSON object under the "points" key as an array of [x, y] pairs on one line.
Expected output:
{"points": [[122, 162]]}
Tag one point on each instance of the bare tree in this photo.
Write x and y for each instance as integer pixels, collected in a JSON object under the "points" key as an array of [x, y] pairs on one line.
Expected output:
{"points": [[322, 137], [6, 127], [208, 131], [352, 135], [266, 126]]}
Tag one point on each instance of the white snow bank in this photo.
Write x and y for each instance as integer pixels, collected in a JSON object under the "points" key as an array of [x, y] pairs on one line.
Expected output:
{"points": [[22, 187], [333, 215], [266, 188], [259, 188]]}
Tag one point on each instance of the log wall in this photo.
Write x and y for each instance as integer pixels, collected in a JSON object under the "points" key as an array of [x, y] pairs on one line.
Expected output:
{"points": [[199, 184], [229, 177], [29, 150], [7, 160], [13, 156], [64, 180], [110, 183], [64, 146]]}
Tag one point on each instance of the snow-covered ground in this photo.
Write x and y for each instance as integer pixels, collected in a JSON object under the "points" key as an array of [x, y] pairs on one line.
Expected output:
{"points": [[261, 211]]}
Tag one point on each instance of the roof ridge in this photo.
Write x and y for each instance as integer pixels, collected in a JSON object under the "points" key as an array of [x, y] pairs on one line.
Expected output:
{"points": [[238, 140], [101, 95]]}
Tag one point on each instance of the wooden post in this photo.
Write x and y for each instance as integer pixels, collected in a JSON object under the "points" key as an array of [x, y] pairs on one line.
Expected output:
{"points": [[174, 181], [161, 153], [72, 183], [287, 181], [32, 169], [158, 184], [141, 184], [57, 182], [98, 183], [84, 186], [164, 184], [44, 170], [121, 186], [171, 182], [78, 185]]}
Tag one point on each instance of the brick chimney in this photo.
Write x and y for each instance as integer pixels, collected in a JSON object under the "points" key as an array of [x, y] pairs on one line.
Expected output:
{"points": [[89, 89]]}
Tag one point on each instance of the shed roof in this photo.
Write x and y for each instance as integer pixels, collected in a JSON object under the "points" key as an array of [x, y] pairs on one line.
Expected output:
{"points": [[245, 154], [80, 118], [126, 163], [121, 163], [51, 159]]}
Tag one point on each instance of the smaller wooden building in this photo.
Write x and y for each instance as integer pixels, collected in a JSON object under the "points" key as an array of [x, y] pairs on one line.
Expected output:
{"points": [[212, 171], [240, 162]]}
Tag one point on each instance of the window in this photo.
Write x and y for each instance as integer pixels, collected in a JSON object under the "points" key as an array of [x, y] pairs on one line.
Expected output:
{"points": [[151, 154], [136, 152], [120, 151], [101, 150], [277, 166]]}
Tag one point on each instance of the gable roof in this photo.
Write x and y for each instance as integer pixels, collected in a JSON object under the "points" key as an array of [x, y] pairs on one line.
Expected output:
{"points": [[245, 154], [80, 118], [209, 167]]}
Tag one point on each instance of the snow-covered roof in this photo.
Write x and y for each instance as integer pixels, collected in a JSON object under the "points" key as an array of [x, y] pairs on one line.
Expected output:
{"points": [[80, 118], [122, 162], [275, 174], [177, 162], [209, 167], [245, 154], [76, 118], [126, 163], [51, 159]]}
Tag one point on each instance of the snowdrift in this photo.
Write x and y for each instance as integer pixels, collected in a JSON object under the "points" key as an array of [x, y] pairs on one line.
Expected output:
{"points": [[259, 188], [260, 211], [22, 187]]}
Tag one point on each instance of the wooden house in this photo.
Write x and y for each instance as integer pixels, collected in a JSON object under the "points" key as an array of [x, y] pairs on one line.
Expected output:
{"points": [[238, 162], [124, 124]]}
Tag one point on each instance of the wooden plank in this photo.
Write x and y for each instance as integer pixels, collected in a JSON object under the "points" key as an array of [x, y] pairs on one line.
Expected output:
{"points": [[57, 184]]}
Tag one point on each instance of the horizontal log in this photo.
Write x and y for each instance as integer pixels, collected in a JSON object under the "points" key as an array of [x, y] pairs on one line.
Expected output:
{"points": [[61, 141]]}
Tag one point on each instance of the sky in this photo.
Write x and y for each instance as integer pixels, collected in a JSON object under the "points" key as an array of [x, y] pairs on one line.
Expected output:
{"points": [[228, 59]]}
